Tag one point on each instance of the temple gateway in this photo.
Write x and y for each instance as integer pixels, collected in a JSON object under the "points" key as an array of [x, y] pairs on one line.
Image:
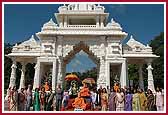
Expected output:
{"points": [[82, 27]]}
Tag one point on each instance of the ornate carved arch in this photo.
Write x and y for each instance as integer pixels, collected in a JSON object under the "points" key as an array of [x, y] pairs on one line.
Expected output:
{"points": [[77, 48]]}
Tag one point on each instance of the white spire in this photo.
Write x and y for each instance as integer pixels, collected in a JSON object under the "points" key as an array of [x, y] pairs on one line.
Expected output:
{"points": [[131, 37], [51, 20], [112, 20], [32, 36]]}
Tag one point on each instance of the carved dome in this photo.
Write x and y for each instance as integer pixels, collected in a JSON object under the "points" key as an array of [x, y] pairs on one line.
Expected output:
{"points": [[114, 25], [49, 26]]}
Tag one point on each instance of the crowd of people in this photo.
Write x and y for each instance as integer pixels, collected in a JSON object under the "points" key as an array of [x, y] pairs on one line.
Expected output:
{"points": [[85, 99]]}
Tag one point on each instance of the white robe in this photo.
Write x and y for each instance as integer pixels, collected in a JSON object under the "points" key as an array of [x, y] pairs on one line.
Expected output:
{"points": [[120, 101]]}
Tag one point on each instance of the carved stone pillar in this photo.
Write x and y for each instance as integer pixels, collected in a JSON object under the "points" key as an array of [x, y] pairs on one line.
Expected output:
{"points": [[13, 74], [123, 76], [102, 80], [141, 82], [61, 21], [22, 79], [150, 77], [59, 46], [37, 76], [65, 21], [107, 74], [54, 76], [101, 22], [59, 77], [97, 21]]}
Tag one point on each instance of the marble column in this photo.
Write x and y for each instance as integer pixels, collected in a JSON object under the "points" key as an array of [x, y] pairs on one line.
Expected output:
{"points": [[141, 82], [123, 76], [61, 21], [102, 80], [59, 77], [22, 79], [101, 22], [97, 21], [108, 74], [150, 77], [54, 76], [37, 76], [65, 21], [13, 74]]}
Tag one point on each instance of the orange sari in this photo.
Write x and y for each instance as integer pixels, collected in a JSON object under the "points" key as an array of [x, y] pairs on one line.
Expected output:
{"points": [[79, 103], [84, 92]]}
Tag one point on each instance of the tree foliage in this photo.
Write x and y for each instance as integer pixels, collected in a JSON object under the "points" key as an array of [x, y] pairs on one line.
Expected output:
{"points": [[157, 45]]}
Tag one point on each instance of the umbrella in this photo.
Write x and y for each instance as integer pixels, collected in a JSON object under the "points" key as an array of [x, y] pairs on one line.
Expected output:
{"points": [[89, 80], [71, 77]]}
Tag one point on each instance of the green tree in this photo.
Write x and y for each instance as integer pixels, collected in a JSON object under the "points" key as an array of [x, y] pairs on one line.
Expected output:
{"points": [[157, 45]]}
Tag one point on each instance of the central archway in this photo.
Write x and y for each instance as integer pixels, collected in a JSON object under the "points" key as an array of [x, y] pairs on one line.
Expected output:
{"points": [[76, 49], [81, 46]]}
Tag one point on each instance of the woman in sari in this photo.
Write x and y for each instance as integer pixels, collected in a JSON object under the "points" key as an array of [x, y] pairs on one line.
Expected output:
{"points": [[128, 101], [135, 101], [150, 101], [50, 97], [43, 99], [104, 99], [36, 102], [119, 100], [143, 100], [159, 99], [13, 100], [112, 103], [29, 98], [22, 100]]}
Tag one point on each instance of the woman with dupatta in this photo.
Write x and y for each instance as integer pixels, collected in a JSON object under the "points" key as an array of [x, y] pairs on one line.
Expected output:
{"points": [[128, 101], [21, 100], [43, 99], [13, 100], [120, 100], [150, 101], [29, 97], [50, 97], [143, 100], [112, 100], [135, 101], [36, 104], [104, 99]]}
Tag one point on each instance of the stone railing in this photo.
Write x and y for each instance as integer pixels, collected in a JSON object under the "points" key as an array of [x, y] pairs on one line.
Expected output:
{"points": [[81, 26]]}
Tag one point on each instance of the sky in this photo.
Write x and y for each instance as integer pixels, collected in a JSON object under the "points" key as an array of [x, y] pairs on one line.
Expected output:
{"points": [[143, 21]]}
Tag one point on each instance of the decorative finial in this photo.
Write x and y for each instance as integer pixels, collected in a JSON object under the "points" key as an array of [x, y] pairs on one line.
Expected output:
{"points": [[131, 37], [147, 46], [32, 36], [51, 20], [112, 20]]}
